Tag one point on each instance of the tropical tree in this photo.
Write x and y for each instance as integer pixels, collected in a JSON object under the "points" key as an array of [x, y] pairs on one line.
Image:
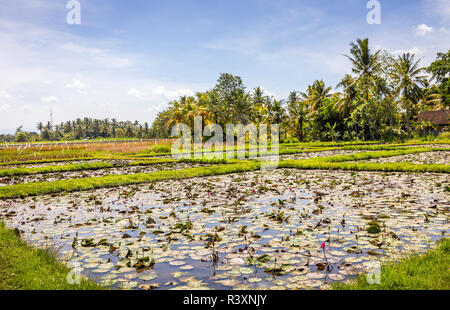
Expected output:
{"points": [[317, 92], [297, 112], [350, 91], [440, 70], [411, 80], [365, 64]]}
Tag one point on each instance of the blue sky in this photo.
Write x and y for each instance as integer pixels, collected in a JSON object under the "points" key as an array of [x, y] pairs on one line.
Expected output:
{"points": [[128, 59]]}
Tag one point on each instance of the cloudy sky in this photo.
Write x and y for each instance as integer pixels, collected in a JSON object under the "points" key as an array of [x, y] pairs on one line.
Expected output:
{"points": [[128, 59]]}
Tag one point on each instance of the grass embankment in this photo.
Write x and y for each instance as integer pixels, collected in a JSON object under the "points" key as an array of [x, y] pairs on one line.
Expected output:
{"points": [[42, 188], [105, 165], [46, 161], [373, 155], [428, 271], [388, 167], [25, 268], [79, 167]]}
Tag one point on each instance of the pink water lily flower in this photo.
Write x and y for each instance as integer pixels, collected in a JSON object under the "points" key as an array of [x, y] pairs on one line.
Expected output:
{"points": [[323, 245]]}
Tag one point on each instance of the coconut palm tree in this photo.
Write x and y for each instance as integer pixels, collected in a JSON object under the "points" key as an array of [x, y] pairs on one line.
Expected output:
{"points": [[348, 84], [410, 79], [40, 127], [259, 102], [317, 92], [365, 64], [297, 111], [177, 113]]}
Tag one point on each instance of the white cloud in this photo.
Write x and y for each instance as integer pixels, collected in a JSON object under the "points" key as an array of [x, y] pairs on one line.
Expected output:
{"points": [[157, 107], [27, 108], [136, 93], [173, 94], [76, 84], [50, 99], [414, 50], [4, 107], [268, 93], [4, 95], [439, 8], [422, 30], [109, 105], [445, 30], [80, 49], [98, 55]]}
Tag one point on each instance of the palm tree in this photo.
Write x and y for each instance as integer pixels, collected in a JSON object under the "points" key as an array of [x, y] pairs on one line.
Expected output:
{"points": [[410, 80], [317, 92], [297, 111], [365, 64], [259, 102], [198, 108], [40, 127], [349, 94], [176, 115]]}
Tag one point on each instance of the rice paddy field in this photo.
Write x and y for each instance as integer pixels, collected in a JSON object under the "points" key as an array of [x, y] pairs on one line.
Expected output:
{"points": [[133, 217]]}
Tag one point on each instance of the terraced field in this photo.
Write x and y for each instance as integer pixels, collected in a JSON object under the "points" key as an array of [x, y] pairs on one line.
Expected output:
{"points": [[320, 216]]}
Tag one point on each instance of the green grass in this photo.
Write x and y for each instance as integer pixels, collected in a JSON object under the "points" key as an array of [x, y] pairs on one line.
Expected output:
{"points": [[104, 165], [391, 167], [25, 268], [428, 271], [79, 167], [160, 149], [42, 188], [45, 161], [373, 155]]}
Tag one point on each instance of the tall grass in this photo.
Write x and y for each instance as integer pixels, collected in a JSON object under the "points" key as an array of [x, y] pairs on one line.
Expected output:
{"points": [[25, 268], [428, 271]]}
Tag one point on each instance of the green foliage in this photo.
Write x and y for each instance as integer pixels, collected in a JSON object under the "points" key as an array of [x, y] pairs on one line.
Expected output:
{"points": [[25, 268], [379, 102], [160, 149], [233, 166], [417, 272]]}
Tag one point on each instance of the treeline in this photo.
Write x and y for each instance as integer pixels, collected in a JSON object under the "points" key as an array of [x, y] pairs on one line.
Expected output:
{"points": [[379, 100], [81, 129]]}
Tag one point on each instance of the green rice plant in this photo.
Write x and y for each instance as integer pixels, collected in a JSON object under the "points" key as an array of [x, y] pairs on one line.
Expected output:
{"points": [[372, 155], [42, 188], [355, 166]]}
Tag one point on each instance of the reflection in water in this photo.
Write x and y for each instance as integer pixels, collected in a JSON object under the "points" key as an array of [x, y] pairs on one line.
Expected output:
{"points": [[250, 231]]}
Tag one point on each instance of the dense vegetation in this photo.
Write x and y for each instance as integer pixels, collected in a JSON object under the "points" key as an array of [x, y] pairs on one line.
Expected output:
{"points": [[379, 100]]}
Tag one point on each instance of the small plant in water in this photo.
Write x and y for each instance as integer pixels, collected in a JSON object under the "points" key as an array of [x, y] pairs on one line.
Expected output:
{"points": [[323, 246]]}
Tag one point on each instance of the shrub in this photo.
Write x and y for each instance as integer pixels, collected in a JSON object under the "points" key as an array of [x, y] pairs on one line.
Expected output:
{"points": [[160, 148]]}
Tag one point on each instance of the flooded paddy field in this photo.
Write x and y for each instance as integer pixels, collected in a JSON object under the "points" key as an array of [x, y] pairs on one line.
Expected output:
{"points": [[258, 230], [418, 158], [56, 163], [48, 177]]}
